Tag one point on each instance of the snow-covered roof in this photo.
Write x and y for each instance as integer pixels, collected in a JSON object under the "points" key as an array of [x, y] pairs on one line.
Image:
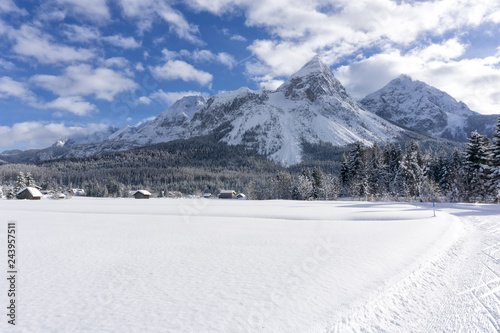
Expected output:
{"points": [[143, 192], [227, 191], [34, 191]]}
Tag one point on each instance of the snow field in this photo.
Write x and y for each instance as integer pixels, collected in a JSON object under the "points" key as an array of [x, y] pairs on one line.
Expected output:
{"points": [[181, 265]]}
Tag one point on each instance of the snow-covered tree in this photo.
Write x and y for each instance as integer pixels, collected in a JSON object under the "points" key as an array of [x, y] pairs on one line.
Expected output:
{"points": [[20, 182], [476, 166], [29, 180], [304, 187], [494, 163], [414, 166]]}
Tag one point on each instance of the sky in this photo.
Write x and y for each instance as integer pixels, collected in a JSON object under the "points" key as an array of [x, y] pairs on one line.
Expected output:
{"points": [[72, 67]]}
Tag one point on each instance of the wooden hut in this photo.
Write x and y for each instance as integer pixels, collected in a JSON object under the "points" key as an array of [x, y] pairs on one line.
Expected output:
{"points": [[29, 193], [142, 194], [227, 194]]}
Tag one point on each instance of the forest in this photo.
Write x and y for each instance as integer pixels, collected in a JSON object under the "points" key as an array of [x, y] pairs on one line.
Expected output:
{"points": [[394, 171]]}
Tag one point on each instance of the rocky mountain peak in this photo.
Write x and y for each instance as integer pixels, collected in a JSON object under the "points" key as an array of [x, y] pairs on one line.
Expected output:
{"points": [[313, 80]]}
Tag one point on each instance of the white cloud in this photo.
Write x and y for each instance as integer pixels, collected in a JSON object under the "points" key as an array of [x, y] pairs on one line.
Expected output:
{"points": [[201, 56], [83, 80], [120, 41], [41, 134], [171, 97], [145, 100], [82, 34], [12, 88], [178, 69], [145, 12], [73, 104], [118, 62], [226, 59], [238, 38], [96, 11], [140, 67], [8, 6], [30, 41], [6, 64]]}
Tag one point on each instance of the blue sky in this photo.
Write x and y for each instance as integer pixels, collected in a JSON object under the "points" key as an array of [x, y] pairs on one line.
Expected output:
{"points": [[71, 67]]}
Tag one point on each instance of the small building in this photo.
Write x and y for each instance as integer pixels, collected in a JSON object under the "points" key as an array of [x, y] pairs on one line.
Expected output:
{"points": [[142, 194], [227, 194], [207, 195], [29, 193], [77, 192], [241, 196]]}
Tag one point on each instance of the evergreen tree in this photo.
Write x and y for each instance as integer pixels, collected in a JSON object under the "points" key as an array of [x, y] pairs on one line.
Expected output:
{"points": [[456, 185], [358, 179], [476, 166], [317, 182], [305, 185], [29, 180], [494, 163], [415, 170], [20, 182]]}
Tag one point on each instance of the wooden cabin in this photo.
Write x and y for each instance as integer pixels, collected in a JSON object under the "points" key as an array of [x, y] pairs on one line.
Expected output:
{"points": [[227, 194], [29, 193], [142, 194]]}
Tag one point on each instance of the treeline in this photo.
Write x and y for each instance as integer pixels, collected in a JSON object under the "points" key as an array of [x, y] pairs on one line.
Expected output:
{"points": [[388, 172], [189, 166]]}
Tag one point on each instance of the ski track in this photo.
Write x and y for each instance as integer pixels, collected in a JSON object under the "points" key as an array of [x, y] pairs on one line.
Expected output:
{"points": [[457, 291]]}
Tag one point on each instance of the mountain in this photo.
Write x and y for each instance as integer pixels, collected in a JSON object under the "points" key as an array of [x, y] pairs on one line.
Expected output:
{"points": [[312, 106], [424, 109]]}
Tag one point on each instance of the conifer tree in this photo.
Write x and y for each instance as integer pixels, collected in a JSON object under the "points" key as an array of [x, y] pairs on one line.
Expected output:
{"points": [[494, 163], [476, 166]]}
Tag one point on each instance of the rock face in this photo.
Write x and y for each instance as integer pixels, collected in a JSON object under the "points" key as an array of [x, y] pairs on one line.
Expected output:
{"points": [[422, 108]]}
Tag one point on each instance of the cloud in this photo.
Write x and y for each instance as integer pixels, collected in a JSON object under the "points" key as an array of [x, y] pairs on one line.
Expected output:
{"points": [[84, 80], [201, 56], [8, 6], [12, 88], [145, 12], [118, 62], [120, 41], [170, 97], [72, 104], [30, 41], [238, 38], [7, 65], [82, 34], [96, 11], [42, 134], [178, 69]]}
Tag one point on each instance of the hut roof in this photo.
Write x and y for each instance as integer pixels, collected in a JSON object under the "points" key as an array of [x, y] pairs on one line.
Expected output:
{"points": [[33, 191], [227, 191], [143, 192]]}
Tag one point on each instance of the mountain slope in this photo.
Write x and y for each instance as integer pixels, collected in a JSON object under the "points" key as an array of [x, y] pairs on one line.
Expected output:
{"points": [[422, 108]]}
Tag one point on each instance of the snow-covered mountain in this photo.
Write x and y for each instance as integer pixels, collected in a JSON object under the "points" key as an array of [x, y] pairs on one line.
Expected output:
{"points": [[422, 108], [94, 137], [311, 106]]}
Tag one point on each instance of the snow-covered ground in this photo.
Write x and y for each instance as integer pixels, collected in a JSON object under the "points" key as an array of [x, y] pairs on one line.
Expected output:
{"points": [[186, 265]]}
